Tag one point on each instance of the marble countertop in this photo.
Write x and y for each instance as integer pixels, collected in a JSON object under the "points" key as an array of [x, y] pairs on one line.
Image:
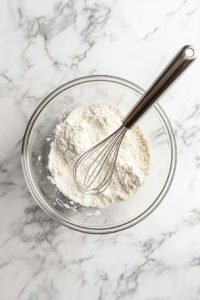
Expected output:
{"points": [[44, 44]]}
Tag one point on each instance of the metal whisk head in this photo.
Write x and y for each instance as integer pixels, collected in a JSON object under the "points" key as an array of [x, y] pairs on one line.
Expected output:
{"points": [[93, 170]]}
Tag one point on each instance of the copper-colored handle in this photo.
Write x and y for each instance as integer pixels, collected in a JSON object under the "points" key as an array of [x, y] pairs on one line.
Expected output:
{"points": [[163, 82]]}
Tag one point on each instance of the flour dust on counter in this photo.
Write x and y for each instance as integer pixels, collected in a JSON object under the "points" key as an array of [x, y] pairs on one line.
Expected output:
{"points": [[82, 130]]}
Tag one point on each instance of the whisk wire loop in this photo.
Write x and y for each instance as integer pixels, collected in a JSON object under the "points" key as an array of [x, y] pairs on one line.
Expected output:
{"points": [[108, 152]]}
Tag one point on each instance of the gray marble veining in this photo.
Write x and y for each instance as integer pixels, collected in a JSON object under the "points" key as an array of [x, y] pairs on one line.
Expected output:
{"points": [[44, 44]]}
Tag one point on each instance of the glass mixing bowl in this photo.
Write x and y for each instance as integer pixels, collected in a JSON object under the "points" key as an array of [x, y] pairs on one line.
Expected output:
{"points": [[40, 132]]}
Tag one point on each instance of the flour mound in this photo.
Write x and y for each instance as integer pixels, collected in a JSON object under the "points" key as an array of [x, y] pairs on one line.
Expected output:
{"points": [[83, 129]]}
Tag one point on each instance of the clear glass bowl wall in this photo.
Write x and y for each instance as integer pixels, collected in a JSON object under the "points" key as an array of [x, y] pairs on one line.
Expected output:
{"points": [[40, 133]]}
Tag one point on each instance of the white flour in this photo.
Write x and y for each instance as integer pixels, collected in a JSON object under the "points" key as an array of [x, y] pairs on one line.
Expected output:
{"points": [[84, 128]]}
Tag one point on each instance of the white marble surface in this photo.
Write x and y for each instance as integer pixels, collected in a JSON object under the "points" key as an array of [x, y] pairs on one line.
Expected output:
{"points": [[44, 44]]}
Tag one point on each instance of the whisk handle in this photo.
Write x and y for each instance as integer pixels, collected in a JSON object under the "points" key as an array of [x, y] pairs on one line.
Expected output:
{"points": [[163, 82]]}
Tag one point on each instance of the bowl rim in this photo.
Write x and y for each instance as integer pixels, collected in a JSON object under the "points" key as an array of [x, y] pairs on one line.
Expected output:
{"points": [[47, 209]]}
